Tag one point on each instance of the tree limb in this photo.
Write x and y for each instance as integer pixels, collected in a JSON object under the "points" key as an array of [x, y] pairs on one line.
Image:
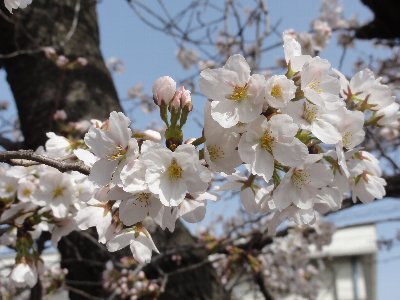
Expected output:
{"points": [[29, 158]]}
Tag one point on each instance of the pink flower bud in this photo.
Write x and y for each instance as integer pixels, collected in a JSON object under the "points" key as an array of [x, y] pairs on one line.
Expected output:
{"points": [[152, 135], [176, 101], [50, 52], [186, 100], [62, 61], [141, 275], [82, 61], [163, 90], [60, 115], [189, 141]]}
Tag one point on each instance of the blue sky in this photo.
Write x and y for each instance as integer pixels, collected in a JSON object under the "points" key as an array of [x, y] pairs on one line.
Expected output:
{"points": [[148, 54]]}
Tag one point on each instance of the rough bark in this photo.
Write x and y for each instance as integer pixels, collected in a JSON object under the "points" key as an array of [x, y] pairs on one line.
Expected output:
{"points": [[38, 85], [386, 22], [40, 88]]}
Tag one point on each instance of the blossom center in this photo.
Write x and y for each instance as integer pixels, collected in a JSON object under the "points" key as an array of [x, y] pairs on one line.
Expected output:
{"points": [[120, 152], [105, 126], [347, 138], [300, 178], [315, 85], [9, 188], [174, 171], [239, 93], [215, 152], [310, 112], [26, 192], [143, 198], [58, 192], [276, 91], [266, 141]]}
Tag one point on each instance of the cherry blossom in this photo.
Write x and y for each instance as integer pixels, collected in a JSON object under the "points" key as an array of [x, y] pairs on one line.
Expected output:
{"points": [[139, 241], [279, 91], [24, 274], [237, 96], [56, 191], [269, 140], [164, 90], [300, 185]]}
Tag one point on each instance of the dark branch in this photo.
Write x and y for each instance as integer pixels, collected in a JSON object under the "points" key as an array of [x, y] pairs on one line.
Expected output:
{"points": [[28, 157]]}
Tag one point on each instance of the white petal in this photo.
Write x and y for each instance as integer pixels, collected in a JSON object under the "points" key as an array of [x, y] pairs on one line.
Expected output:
{"points": [[192, 211], [247, 198], [142, 248], [102, 171], [120, 241], [325, 131], [225, 112], [292, 154]]}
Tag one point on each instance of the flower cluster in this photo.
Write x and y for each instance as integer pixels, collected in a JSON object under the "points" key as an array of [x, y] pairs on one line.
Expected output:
{"points": [[287, 259], [287, 143], [126, 283], [51, 277], [296, 133]]}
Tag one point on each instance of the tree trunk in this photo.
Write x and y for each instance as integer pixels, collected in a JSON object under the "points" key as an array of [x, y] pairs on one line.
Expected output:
{"points": [[40, 88]]}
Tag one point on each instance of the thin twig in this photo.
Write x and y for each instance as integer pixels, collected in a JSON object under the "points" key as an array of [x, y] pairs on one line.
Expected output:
{"points": [[74, 24]]}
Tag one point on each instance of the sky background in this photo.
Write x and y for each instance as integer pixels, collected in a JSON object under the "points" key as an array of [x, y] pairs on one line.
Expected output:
{"points": [[148, 54]]}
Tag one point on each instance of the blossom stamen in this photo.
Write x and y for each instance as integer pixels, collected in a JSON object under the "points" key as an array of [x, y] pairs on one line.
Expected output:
{"points": [[174, 171], [276, 91], [26, 192], [58, 192], [9, 188], [315, 85], [119, 153], [266, 141], [310, 112], [239, 93], [215, 152], [144, 198], [300, 178]]}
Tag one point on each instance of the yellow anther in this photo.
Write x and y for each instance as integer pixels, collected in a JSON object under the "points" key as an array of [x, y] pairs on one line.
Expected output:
{"points": [[143, 198], [276, 91], [26, 192], [239, 93], [120, 152], [215, 152], [174, 171], [266, 141], [315, 85], [309, 112], [301, 178], [9, 188], [58, 192]]}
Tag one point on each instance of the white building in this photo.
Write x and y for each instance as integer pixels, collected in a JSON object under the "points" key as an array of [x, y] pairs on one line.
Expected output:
{"points": [[350, 260], [350, 267]]}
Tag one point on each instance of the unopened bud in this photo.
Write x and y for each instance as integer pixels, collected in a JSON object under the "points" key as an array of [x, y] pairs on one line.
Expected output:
{"points": [[82, 61], [163, 90], [176, 101], [60, 115], [186, 100], [152, 135], [50, 52], [190, 141], [389, 133], [62, 61]]}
